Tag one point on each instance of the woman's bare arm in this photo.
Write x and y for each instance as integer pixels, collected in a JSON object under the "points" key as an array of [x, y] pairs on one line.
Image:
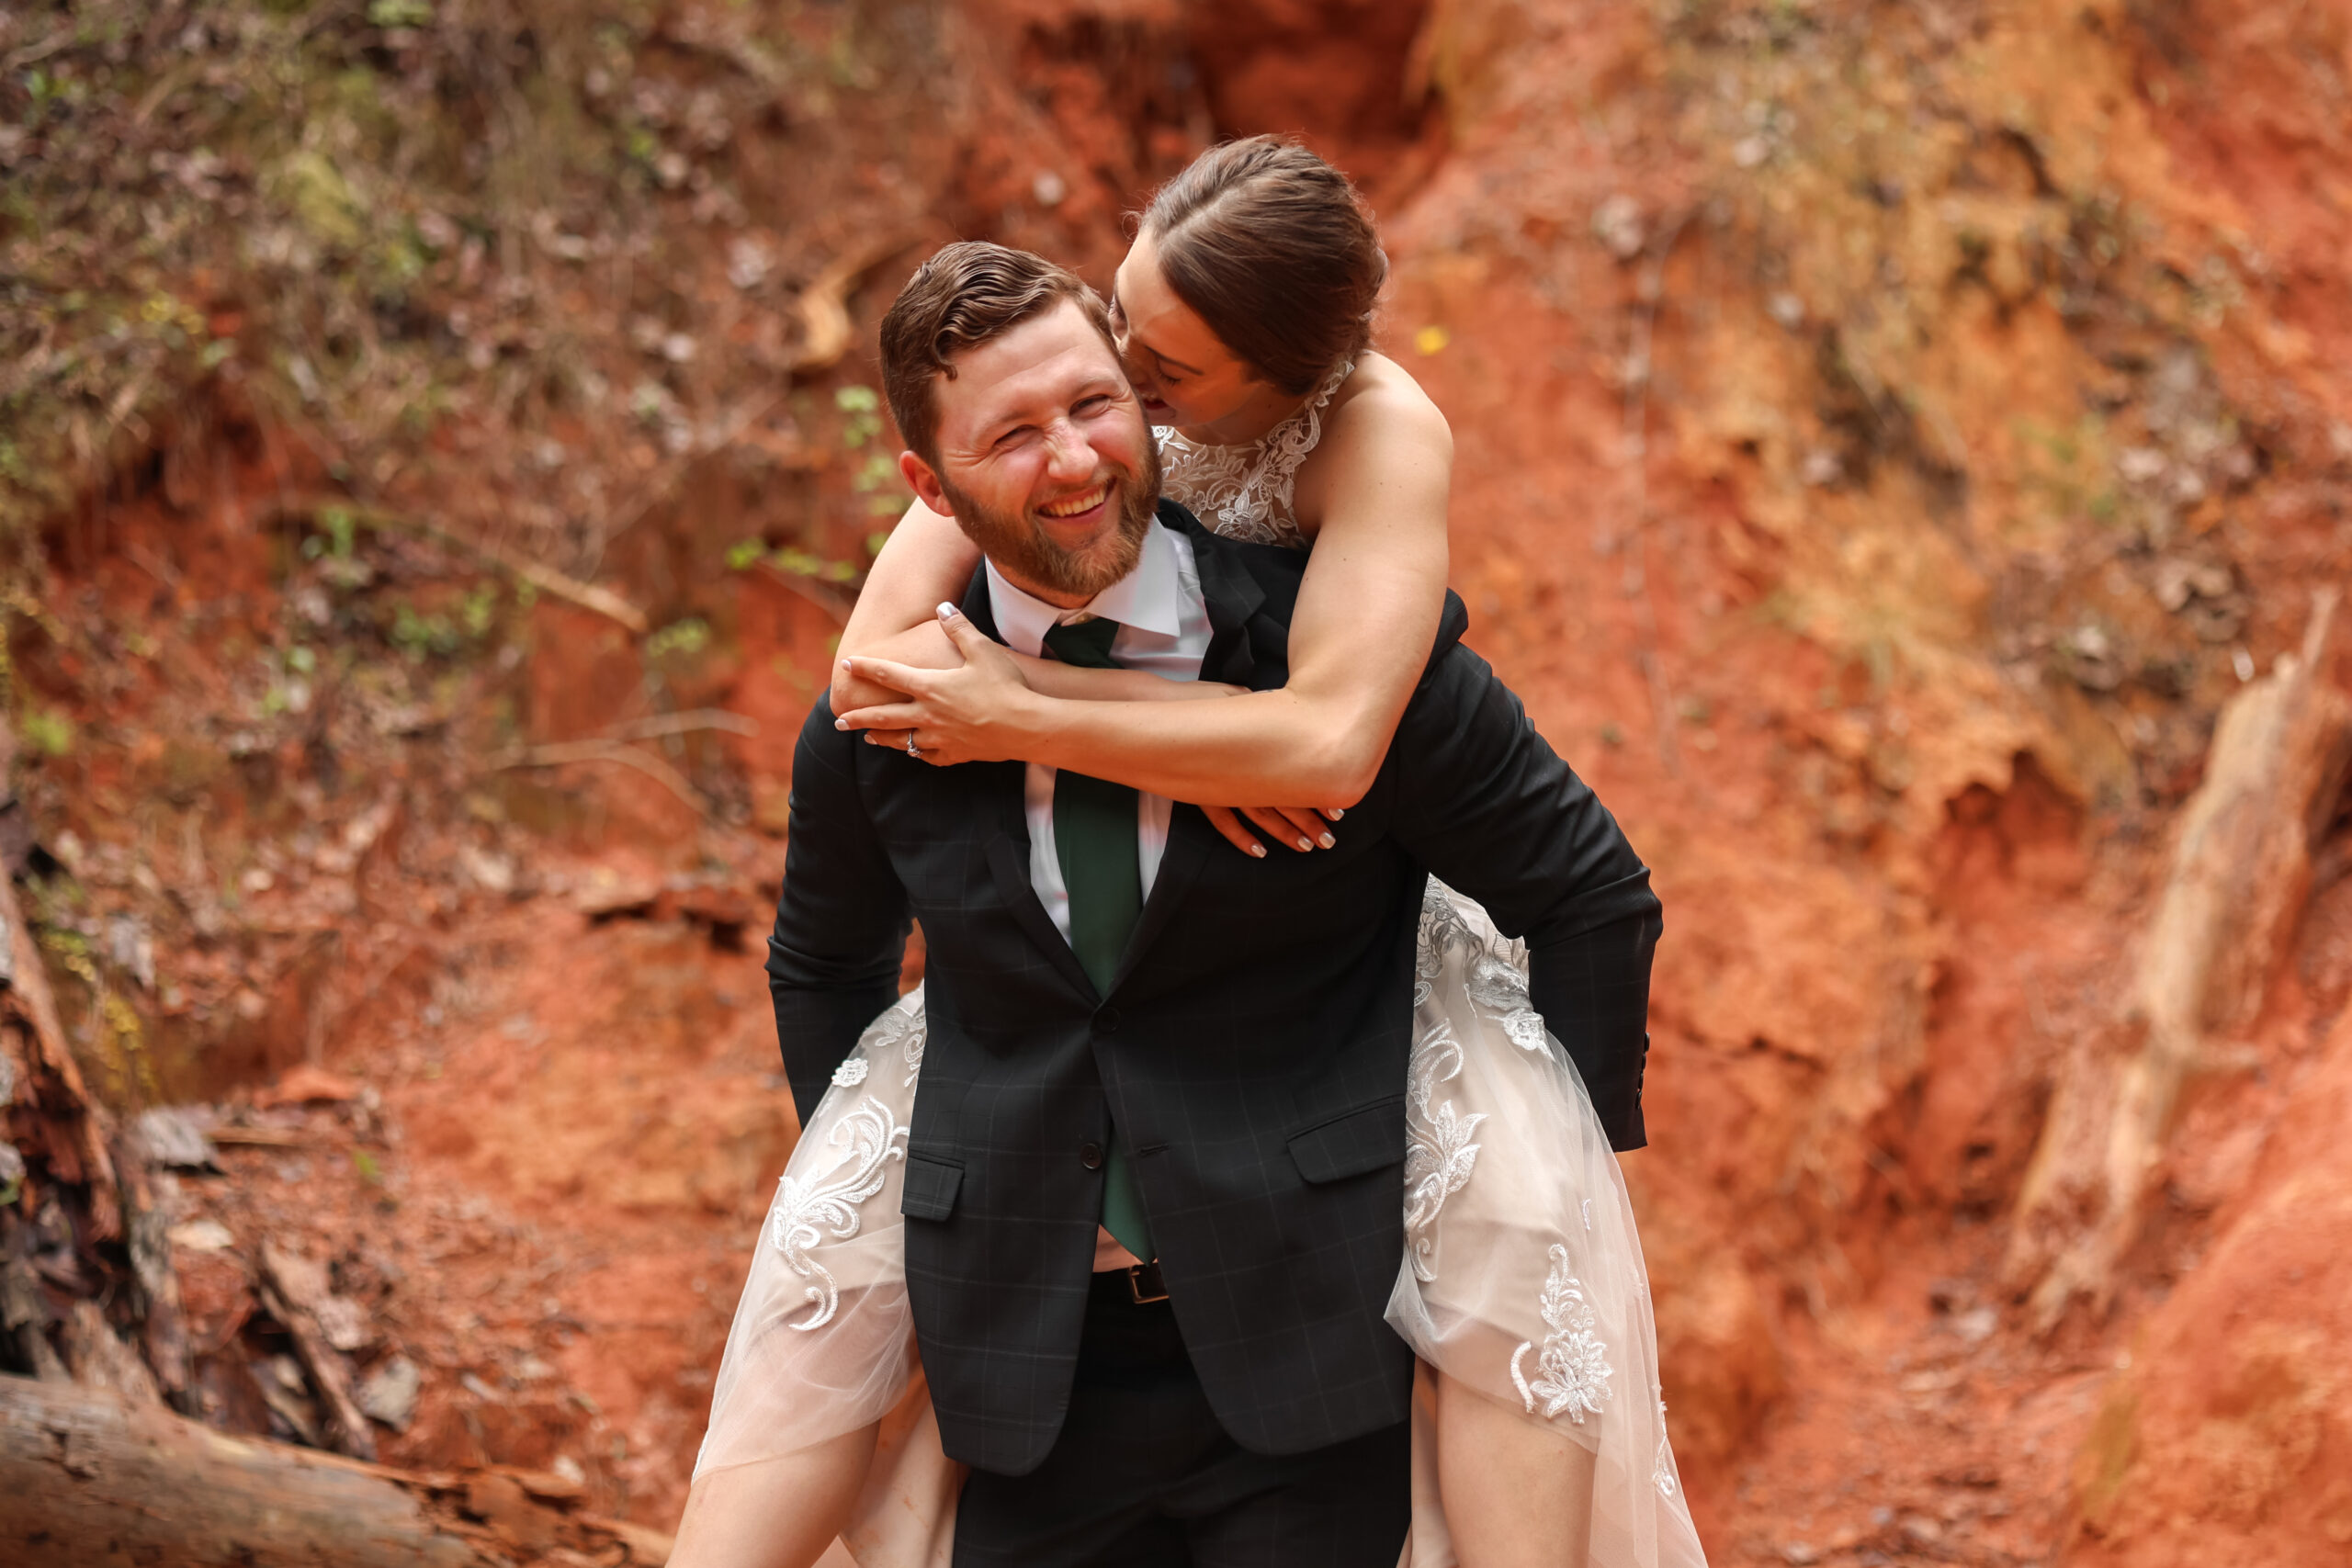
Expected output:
{"points": [[926, 559], [1366, 617]]}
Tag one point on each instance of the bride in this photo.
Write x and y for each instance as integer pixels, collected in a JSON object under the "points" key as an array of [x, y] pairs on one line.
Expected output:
{"points": [[1243, 312]]}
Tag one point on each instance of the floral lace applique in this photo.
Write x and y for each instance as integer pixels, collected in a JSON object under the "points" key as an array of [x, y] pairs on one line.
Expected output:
{"points": [[902, 1029], [827, 1204], [1572, 1370], [1496, 980], [1244, 493], [1438, 1154], [1662, 1468]]}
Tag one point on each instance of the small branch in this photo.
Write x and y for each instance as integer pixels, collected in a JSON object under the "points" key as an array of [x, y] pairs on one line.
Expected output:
{"points": [[290, 1290], [824, 304], [560, 753], [546, 579], [826, 598], [34, 53], [687, 723]]}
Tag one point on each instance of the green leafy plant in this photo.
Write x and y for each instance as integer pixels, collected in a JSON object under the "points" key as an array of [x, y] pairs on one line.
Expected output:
{"points": [[687, 637], [46, 732]]}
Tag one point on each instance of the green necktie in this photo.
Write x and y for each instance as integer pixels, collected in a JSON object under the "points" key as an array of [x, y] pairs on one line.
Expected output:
{"points": [[1094, 835]]}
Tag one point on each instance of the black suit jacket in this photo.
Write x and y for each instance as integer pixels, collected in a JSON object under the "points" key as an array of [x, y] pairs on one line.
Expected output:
{"points": [[1252, 1046]]}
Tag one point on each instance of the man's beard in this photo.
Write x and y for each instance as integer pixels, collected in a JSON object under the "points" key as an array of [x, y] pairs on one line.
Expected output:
{"points": [[1026, 554]]}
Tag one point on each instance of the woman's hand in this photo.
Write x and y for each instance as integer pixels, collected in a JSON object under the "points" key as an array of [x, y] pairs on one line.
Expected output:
{"points": [[976, 711], [1294, 828]]}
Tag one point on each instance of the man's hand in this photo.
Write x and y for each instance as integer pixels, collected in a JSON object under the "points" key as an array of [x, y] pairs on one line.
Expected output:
{"points": [[971, 711]]}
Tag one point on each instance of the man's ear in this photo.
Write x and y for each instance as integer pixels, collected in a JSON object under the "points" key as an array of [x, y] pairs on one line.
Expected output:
{"points": [[924, 480]]}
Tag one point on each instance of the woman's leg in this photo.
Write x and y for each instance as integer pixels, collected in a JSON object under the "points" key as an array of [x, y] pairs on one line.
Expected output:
{"points": [[780, 1513], [1515, 1495]]}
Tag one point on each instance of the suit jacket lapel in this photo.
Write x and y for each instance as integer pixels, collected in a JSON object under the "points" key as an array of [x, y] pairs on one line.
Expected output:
{"points": [[1008, 855], [1241, 642]]}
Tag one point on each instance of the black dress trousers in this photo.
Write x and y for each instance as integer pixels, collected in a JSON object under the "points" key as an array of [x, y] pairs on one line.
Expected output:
{"points": [[1143, 1476]]}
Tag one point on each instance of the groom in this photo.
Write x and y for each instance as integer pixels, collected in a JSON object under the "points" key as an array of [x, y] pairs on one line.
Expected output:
{"points": [[1148, 1051]]}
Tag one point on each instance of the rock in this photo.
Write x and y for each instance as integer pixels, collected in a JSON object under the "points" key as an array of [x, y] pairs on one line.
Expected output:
{"points": [[175, 1138], [566, 1482], [307, 1085], [607, 894], [346, 1326], [500, 1501], [1617, 224], [487, 869], [388, 1396], [202, 1236]]}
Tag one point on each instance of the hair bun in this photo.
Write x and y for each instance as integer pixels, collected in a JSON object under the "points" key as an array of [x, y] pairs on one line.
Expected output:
{"points": [[1276, 251]]}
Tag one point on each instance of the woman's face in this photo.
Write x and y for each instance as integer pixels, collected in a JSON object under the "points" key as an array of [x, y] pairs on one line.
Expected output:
{"points": [[1182, 373]]}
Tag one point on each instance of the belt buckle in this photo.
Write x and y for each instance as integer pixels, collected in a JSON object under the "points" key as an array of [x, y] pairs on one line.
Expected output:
{"points": [[1145, 1283]]}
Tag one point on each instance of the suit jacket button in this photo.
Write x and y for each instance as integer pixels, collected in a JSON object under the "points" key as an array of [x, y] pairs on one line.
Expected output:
{"points": [[1090, 1155], [1106, 1021]]}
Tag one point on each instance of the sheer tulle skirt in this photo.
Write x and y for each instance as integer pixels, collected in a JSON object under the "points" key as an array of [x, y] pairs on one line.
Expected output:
{"points": [[1521, 1277]]}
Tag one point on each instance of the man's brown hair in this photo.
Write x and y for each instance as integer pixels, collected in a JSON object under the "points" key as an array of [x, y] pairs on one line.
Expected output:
{"points": [[1275, 251], [967, 293]]}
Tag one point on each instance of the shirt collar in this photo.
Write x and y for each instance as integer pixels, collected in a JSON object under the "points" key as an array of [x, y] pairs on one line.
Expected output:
{"points": [[1151, 599]]}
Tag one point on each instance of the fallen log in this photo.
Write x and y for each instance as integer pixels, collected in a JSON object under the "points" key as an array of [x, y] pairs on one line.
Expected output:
{"points": [[2225, 923], [88, 1481]]}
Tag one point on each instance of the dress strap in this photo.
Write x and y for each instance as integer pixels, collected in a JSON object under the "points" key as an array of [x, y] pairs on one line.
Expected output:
{"points": [[1289, 443]]}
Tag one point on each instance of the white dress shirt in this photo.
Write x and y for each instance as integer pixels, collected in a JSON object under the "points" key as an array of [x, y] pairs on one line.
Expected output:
{"points": [[1164, 628]]}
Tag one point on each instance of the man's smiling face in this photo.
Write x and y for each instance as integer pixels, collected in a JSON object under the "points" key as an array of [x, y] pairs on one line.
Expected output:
{"points": [[1044, 457]]}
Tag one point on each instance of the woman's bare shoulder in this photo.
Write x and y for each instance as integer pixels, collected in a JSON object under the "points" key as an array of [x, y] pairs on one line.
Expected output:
{"points": [[1382, 403], [1383, 431]]}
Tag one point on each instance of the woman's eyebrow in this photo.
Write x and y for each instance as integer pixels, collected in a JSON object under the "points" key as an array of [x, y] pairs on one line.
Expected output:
{"points": [[1178, 366]]}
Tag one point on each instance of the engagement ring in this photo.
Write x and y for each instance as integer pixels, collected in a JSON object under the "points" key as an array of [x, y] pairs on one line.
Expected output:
{"points": [[913, 749]]}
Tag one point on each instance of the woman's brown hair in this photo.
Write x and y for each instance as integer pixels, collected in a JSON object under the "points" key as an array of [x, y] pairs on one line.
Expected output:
{"points": [[1274, 250]]}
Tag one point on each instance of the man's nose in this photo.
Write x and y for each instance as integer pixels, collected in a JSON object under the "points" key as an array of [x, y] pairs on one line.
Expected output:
{"points": [[1069, 455]]}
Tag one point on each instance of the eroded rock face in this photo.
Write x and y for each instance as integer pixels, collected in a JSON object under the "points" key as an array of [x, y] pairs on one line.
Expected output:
{"points": [[2228, 1439]]}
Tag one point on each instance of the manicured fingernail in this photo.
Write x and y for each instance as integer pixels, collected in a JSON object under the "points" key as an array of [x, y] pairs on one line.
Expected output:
{"points": [[848, 665], [1335, 815], [946, 610], [840, 724], [1326, 841], [1258, 849], [1305, 845]]}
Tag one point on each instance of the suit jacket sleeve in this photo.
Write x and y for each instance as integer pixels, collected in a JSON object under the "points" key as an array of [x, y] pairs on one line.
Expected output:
{"points": [[1491, 808], [841, 921]]}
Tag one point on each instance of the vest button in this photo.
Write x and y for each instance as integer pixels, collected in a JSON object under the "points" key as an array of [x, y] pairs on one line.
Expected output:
{"points": [[1106, 1021], [1090, 1155]]}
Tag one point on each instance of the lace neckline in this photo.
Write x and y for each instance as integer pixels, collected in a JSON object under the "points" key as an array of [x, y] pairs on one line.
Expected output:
{"points": [[1245, 491]]}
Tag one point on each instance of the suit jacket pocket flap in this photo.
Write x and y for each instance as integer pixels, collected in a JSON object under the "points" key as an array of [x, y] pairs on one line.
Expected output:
{"points": [[932, 1186], [1372, 1138]]}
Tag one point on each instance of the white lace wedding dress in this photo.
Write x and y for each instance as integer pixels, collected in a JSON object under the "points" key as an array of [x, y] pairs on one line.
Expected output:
{"points": [[1521, 1275]]}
